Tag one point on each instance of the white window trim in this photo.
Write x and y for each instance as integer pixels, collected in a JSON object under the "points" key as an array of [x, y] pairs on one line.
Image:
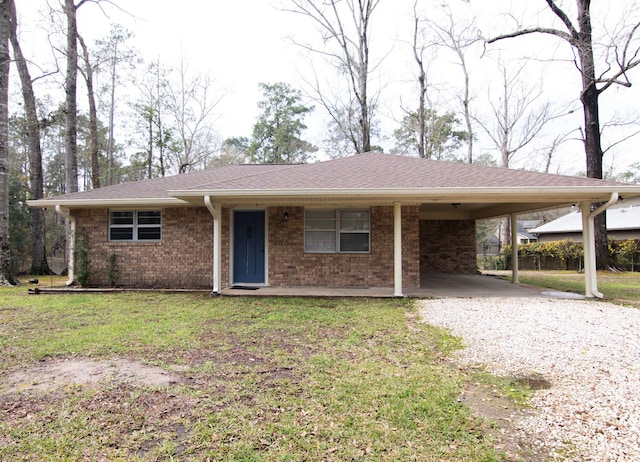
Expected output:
{"points": [[135, 226], [338, 232]]}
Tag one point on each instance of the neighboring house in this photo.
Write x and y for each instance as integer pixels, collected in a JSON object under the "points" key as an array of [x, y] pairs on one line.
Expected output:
{"points": [[623, 222], [370, 220], [491, 245], [525, 236]]}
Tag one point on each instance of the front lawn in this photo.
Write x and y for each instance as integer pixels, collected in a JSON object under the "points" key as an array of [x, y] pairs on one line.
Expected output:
{"points": [[257, 379], [621, 288]]}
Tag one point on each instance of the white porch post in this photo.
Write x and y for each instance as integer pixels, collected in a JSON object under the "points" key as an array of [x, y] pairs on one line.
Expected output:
{"points": [[515, 271], [397, 250], [216, 212], [589, 250], [71, 245], [589, 245]]}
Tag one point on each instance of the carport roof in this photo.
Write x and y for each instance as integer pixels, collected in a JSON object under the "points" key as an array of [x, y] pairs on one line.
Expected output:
{"points": [[453, 189]]}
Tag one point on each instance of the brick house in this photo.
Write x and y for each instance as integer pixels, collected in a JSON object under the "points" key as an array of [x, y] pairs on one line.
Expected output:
{"points": [[370, 220]]}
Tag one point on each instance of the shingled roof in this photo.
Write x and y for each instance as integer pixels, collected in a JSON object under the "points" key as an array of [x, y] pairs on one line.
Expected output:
{"points": [[372, 178]]}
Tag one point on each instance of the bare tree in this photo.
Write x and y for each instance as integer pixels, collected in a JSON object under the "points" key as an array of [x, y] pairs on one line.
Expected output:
{"points": [[550, 150], [39, 264], [114, 53], [346, 23], [152, 110], [621, 54], [6, 273], [94, 148], [459, 38], [191, 102], [516, 120], [418, 55]]}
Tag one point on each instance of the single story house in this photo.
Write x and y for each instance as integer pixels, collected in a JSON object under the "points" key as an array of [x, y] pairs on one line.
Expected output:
{"points": [[369, 220], [623, 222], [525, 236]]}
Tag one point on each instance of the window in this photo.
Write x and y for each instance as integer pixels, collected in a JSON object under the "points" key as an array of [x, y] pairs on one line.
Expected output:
{"points": [[342, 230], [135, 226]]}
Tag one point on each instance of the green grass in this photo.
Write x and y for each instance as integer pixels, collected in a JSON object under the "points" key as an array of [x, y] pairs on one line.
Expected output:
{"points": [[621, 288], [278, 379]]}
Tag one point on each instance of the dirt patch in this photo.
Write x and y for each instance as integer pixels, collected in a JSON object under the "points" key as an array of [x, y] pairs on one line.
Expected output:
{"points": [[51, 375], [503, 414]]}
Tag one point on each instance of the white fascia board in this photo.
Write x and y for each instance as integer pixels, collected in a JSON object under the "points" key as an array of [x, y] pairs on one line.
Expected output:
{"points": [[522, 194], [102, 203]]}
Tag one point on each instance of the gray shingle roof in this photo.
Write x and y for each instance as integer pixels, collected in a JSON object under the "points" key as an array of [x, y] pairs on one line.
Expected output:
{"points": [[382, 171], [371, 175]]}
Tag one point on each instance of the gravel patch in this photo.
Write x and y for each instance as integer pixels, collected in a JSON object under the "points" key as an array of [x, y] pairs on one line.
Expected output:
{"points": [[588, 350]]}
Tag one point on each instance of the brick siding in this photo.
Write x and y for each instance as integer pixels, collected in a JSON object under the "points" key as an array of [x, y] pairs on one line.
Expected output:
{"points": [[448, 246], [184, 257], [290, 266]]}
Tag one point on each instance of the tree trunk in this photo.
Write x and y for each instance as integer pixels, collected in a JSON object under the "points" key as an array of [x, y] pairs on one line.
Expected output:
{"points": [[422, 88], [6, 273], [112, 111], [39, 264], [150, 148], [593, 147], [363, 74], [71, 120], [467, 111], [93, 117]]}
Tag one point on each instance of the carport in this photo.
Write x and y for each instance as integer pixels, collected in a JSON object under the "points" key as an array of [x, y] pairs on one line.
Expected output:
{"points": [[513, 201]]}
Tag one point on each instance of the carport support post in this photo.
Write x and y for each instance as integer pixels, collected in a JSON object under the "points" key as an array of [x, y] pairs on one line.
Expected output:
{"points": [[515, 272], [216, 212], [589, 245], [589, 250], [397, 250]]}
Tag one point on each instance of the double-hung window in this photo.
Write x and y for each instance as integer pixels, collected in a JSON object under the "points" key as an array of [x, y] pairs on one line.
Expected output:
{"points": [[337, 230], [132, 225]]}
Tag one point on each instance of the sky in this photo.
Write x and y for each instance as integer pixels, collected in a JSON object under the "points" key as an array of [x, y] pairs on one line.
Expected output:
{"points": [[242, 43]]}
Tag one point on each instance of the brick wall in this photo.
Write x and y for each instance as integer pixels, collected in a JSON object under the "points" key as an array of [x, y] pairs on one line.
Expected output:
{"points": [[183, 259], [289, 266], [448, 246]]}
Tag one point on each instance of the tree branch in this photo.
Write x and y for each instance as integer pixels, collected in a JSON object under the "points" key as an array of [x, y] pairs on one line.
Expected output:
{"points": [[536, 30], [564, 18]]}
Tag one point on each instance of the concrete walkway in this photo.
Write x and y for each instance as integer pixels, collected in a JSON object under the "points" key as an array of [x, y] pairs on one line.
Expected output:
{"points": [[432, 286]]}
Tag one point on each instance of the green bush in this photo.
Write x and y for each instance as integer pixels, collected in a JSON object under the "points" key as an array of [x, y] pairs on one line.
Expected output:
{"points": [[83, 265], [623, 253], [113, 274]]}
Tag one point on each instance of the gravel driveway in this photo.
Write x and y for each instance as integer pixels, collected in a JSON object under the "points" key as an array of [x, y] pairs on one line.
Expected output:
{"points": [[588, 350]]}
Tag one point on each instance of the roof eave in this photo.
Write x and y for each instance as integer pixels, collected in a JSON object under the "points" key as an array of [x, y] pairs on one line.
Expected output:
{"points": [[50, 203], [524, 194]]}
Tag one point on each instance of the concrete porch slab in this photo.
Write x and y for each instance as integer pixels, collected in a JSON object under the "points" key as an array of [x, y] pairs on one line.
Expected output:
{"points": [[432, 286]]}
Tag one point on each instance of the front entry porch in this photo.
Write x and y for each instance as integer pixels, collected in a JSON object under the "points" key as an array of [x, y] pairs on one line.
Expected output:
{"points": [[431, 286]]}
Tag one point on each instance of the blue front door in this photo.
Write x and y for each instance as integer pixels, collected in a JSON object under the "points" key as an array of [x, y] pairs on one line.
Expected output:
{"points": [[248, 247]]}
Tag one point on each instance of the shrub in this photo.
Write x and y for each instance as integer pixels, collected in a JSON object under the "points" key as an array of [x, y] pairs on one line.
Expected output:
{"points": [[83, 265]]}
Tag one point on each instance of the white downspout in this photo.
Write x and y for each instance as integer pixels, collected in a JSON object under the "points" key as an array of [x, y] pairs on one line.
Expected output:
{"points": [[515, 270], [397, 250], [590, 274], [215, 211], [71, 263]]}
